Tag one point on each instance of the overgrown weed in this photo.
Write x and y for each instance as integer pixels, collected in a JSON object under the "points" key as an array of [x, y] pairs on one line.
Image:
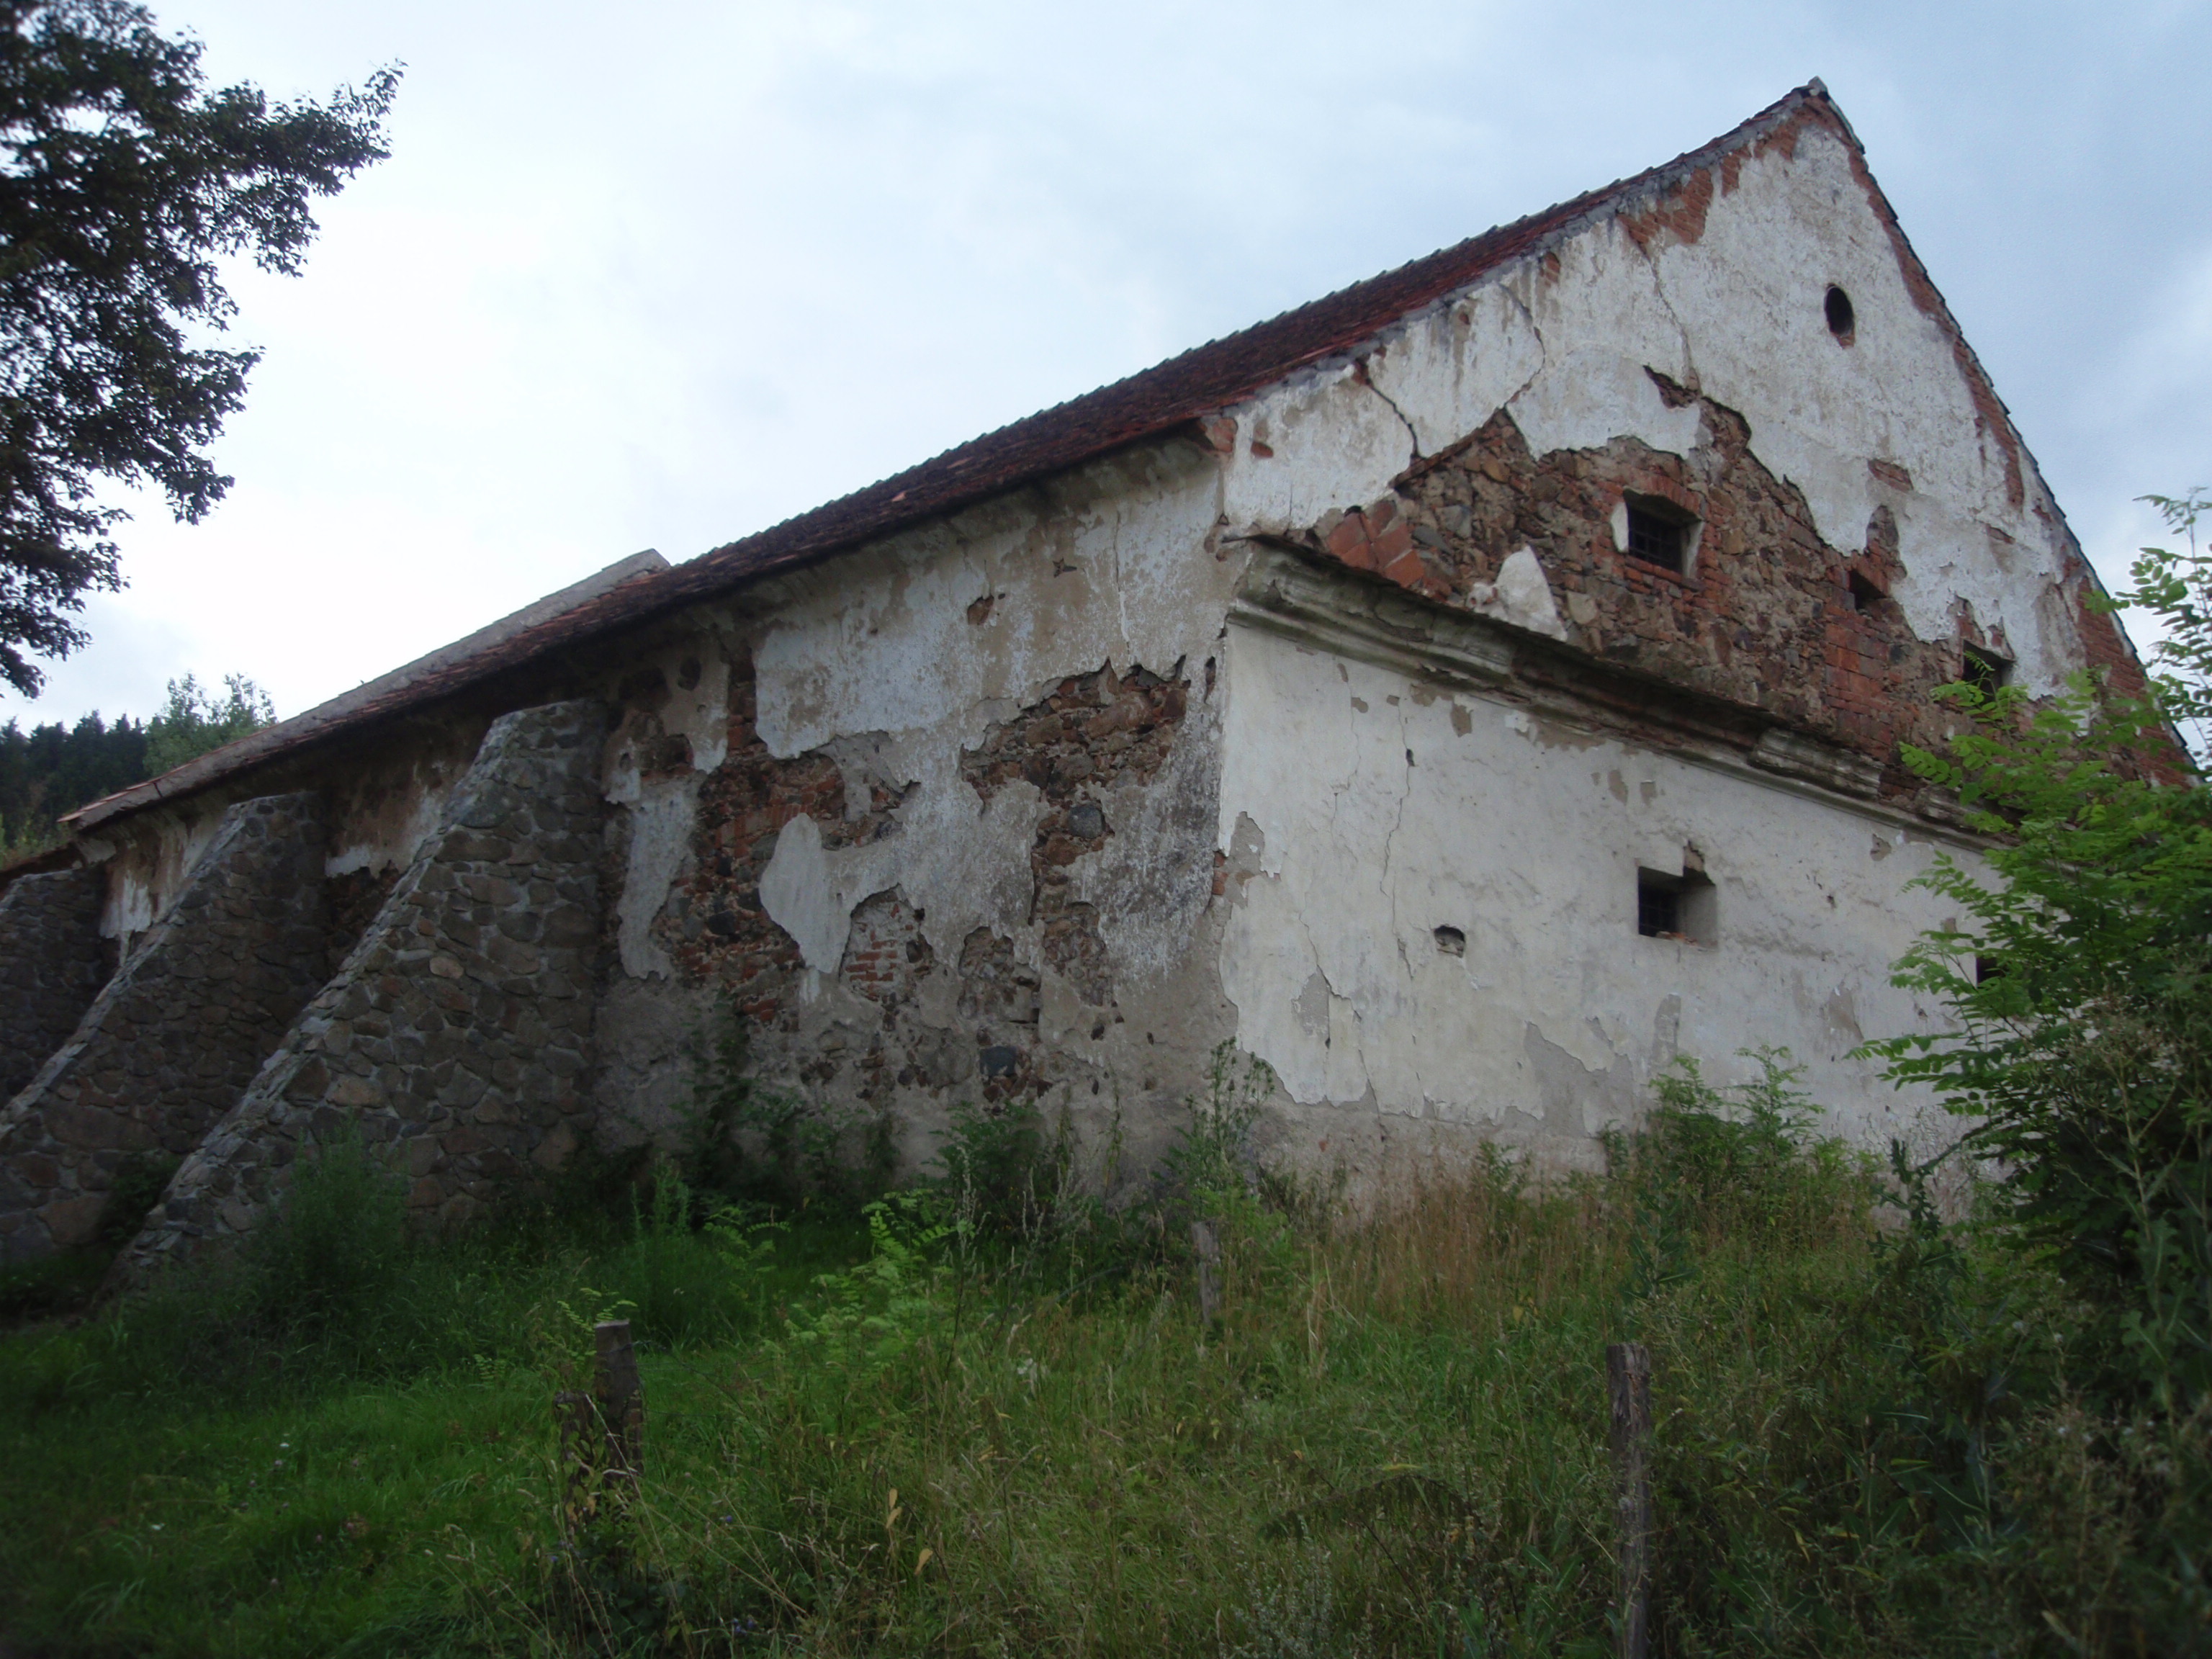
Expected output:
{"points": [[997, 1424]]}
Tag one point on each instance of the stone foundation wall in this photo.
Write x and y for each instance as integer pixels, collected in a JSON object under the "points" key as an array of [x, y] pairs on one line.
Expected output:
{"points": [[457, 1034], [53, 963], [167, 1045]]}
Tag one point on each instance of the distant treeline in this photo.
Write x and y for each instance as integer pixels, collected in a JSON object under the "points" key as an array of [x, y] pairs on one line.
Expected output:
{"points": [[56, 769]]}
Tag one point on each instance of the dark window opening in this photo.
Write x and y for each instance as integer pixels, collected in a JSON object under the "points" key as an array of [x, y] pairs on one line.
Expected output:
{"points": [[1841, 320], [1983, 670], [1865, 595], [1987, 969], [1675, 907], [1658, 536]]}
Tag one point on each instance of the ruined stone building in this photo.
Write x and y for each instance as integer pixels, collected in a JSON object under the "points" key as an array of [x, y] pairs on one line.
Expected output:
{"points": [[1464, 694]]}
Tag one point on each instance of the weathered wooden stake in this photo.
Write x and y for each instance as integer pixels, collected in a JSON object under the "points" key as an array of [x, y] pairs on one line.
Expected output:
{"points": [[620, 1397], [1628, 1383], [1204, 1240]]}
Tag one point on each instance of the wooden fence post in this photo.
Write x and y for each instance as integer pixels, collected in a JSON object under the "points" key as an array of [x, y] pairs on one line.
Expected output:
{"points": [[620, 1397], [1208, 1244], [603, 1432], [1628, 1384]]}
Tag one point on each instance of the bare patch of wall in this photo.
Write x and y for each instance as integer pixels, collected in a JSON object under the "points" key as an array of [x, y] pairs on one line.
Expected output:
{"points": [[952, 839], [1763, 613], [979, 955]]}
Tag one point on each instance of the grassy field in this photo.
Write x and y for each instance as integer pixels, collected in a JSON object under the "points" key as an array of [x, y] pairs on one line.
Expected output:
{"points": [[963, 1422]]}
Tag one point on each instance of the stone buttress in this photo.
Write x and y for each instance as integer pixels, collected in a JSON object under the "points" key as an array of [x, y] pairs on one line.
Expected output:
{"points": [[456, 1037], [167, 1044], [53, 963]]}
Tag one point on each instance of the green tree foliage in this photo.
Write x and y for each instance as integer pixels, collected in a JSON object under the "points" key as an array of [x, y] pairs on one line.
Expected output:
{"points": [[56, 769], [53, 768], [122, 182], [2078, 975], [195, 720]]}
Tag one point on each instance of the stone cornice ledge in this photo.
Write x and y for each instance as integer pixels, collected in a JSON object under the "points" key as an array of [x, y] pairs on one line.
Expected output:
{"points": [[1288, 590]]}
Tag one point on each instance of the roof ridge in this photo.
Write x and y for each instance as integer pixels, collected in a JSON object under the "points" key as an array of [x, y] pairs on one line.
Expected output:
{"points": [[1589, 206]]}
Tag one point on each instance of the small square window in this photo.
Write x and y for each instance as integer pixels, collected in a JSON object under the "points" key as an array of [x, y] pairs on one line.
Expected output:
{"points": [[1681, 907], [1983, 670], [1657, 538], [1864, 595]]}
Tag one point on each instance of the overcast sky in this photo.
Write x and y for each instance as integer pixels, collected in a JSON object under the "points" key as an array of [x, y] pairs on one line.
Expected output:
{"points": [[660, 277]]}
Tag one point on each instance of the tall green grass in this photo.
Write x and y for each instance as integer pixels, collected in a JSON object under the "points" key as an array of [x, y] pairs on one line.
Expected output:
{"points": [[985, 1417]]}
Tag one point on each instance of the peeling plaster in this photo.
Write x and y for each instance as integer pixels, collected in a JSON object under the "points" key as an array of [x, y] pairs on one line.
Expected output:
{"points": [[1333, 442], [1522, 595], [964, 864], [1566, 342], [1110, 567], [660, 815], [1452, 367]]}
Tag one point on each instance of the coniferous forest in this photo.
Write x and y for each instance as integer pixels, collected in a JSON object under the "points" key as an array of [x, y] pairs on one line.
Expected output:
{"points": [[55, 768]]}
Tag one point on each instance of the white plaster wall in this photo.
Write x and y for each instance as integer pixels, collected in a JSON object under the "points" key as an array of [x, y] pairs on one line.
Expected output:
{"points": [[1737, 313], [894, 662], [879, 660], [147, 869], [1375, 809]]}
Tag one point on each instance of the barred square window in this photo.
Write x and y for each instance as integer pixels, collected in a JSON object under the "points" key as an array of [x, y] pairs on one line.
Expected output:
{"points": [[1656, 537]]}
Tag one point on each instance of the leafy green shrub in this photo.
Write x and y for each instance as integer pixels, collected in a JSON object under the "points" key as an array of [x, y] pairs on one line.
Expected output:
{"points": [[138, 1184], [750, 1144], [1005, 1179], [326, 1262], [871, 1313], [691, 1269], [2080, 979], [1743, 1161], [1213, 1159]]}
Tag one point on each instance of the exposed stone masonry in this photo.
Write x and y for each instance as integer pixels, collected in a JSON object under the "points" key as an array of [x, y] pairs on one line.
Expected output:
{"points": [[1093, 731], [53, 963], [1090, 733], [167, 1045], [457, 1034], [1768, 616], [713, 927]]}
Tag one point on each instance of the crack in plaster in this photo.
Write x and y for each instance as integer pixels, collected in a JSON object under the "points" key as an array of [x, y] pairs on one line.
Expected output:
{"points": [[1413, 437], [1543, 352], [1681, 328]]}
